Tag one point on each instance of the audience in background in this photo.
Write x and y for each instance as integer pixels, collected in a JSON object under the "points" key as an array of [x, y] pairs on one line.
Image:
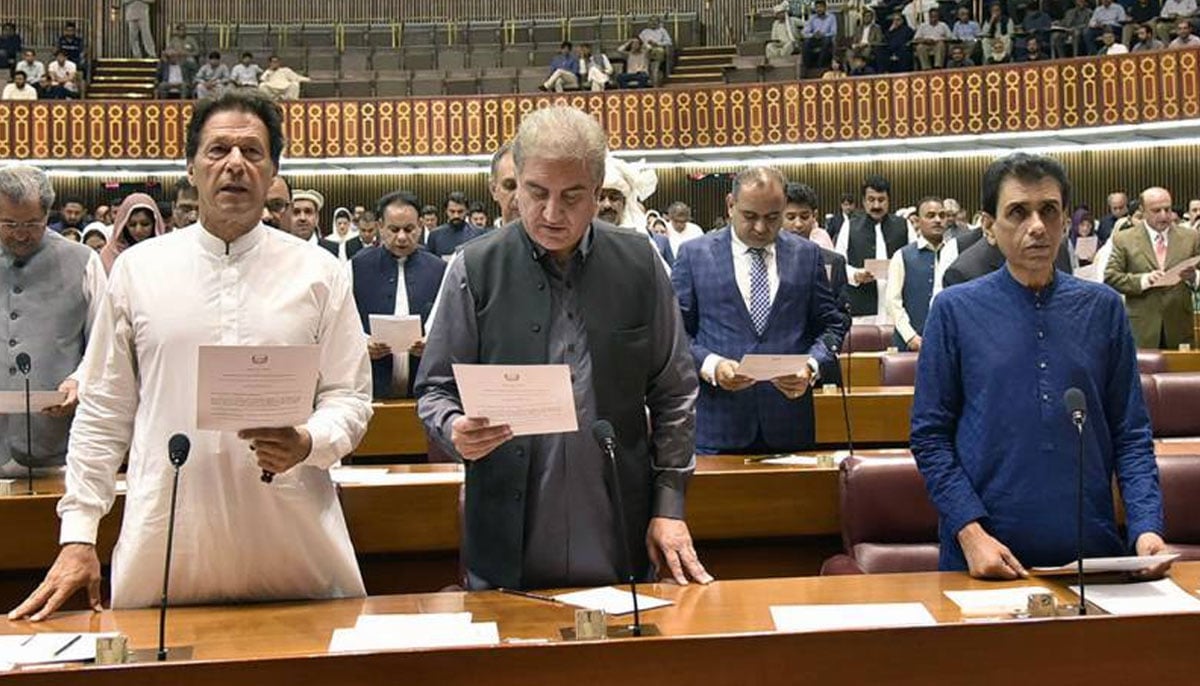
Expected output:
{"points": [[137, 23], [280, 82], [785, 33], [175, 76], [10, 45], [19, 89], [184, 46], [660, 48], [138, 219], [33, 68], [246, 73], [637, 65], [212, 78], [71, 43], [64, 76]]}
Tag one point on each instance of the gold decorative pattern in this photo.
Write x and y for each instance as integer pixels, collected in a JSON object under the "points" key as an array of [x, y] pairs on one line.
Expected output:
{"points": [[1088, 92]]}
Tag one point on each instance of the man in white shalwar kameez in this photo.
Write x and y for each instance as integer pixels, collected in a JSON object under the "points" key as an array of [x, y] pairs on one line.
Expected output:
{"points": [[227, 280]]}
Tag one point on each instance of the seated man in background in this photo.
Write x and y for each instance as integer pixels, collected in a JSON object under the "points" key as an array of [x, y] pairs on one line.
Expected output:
{"points": [[395, 278], [931, 39], [65, 76], [658, 43], [212, 78], [820, 32], [245, 74], [565, 70], [785, 33], [280, 82], [174, 77], [637, 65], [750, 289], [19, 89], [10, 45], [72, 44], [989, 431]]}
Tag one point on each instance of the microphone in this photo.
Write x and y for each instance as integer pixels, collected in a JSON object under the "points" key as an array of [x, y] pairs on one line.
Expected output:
{"points": [[845, 385], [1076, 404], [178, 448], [24, 365], [606, 437]]}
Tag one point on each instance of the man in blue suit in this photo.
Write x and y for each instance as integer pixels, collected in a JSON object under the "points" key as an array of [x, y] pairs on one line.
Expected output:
{"points": [[750, 289], [396, 277]]}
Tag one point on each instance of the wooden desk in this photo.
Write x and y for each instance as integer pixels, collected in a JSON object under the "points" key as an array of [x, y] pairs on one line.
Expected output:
{"points": [[717, 634], [1179, 361], [879, 414], [863, 368]]}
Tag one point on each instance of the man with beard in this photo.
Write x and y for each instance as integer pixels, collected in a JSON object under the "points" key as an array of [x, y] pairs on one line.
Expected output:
{"points": [[620, 202], [72, 215], [876, 234], [445, 239], [277, 211]]}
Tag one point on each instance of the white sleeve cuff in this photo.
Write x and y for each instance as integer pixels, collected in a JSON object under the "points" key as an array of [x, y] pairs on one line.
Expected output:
{"points": [[851, 272], [328, 445], [78, 527], [708, 370]]}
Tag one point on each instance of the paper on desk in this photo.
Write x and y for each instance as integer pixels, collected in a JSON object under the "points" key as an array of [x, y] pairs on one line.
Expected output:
{"points": [[614, 601], [252, 387], [530, 399], [859, 616], [399, 632], [351, 476], [1149, 598], [804, 460], [1107, 565], [767, 367], [13, 402], [998, 601], [41, 648], [399, 332], [877, 268]]}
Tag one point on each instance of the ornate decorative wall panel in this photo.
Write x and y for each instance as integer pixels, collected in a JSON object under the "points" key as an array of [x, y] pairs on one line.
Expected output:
{"points": [[1127, 89]]}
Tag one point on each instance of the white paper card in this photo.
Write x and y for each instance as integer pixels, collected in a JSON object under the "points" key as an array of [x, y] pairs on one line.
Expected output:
{"points": [[1107, 565], [530, 399], [805, 460], [13, 402], [33, 649], [253, 387], [997, 601], [1172, 276], [400, 632], [767, 367], [1150, 598], [859, 616], [399, 332], [877, 268], [614, 601], [1086, 247]]}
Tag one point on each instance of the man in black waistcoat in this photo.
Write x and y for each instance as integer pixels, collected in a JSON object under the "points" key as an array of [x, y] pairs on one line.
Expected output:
{"points": [[559, 289]]}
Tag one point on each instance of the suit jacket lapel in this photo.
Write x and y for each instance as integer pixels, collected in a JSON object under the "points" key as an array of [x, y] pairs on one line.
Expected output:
{"points": [[722, 254], [1178, 248], [1145, 247], [785, 254]]}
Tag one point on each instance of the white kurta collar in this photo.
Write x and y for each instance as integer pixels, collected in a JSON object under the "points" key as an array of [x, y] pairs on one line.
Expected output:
{"points": [[242, 245]]}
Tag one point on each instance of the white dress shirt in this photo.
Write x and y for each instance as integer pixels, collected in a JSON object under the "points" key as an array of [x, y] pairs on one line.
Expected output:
{"points": [[943, 256], [741, 274], [11, 92], [236, 538], [842, 246], [678, 238], [400, 369]]}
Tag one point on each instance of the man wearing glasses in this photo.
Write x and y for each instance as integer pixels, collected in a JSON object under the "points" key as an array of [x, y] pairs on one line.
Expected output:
{"points": [[915, 274], [50, 289], [277, 211]]}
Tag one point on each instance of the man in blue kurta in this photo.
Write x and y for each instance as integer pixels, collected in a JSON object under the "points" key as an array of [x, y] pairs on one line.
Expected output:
{"points": [[990, 433]]}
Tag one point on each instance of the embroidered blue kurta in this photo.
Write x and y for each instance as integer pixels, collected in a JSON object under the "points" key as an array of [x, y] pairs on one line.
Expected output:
{"points": [[990, 431]]}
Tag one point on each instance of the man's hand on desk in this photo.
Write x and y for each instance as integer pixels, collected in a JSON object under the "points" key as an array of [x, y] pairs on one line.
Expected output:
{"points": [[670, 546], [1152, 544], [278, 450], [76, 567], [727, 377], [474, 438], [988, 558], [794, 386], [67, 408]]}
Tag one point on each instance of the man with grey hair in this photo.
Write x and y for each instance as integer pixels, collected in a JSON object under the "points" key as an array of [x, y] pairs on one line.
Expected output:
{"points": [[750, 289], [557, 288], [681, 228], [502, 182], [52, 288]]}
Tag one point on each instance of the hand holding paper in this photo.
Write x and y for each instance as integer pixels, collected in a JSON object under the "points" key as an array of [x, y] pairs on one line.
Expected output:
{"points": [[530, 399]]}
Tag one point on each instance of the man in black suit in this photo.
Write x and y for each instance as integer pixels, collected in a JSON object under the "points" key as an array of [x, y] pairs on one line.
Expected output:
{"points": [[800, 218], [842, 217], [978, 258], [876, 235], [1118, 207]]}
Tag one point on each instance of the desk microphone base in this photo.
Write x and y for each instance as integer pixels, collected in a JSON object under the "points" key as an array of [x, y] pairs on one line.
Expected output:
{"points": [[616, 631], [148, 655]]}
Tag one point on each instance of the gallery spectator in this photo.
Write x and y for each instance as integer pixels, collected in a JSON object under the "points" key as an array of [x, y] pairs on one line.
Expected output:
{"points": [[637, 65], [1183, 35], [1072, 26], [597, 69], [64, 75], [1107, 15], [867, 39], [71, 43], [212, 78], [565, 70], [137, 22], [19, 89], [966, 30], [1109, 44], [819, 33], [245, 74], [931, 38], [184, 45], [896, 54], [34, 70], [174, 77], [1145, 40], [280, 82], [785, 33], [997, 34], [660, 46], [10, 45]]}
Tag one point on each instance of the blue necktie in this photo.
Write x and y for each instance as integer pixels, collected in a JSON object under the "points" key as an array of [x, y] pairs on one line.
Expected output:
{"points": [[760, 290]]}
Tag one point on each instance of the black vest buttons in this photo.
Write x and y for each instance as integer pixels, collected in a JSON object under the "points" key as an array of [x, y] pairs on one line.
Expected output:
{"points": [[18, 290], [13, 316], [536, 328], [541, 286]]}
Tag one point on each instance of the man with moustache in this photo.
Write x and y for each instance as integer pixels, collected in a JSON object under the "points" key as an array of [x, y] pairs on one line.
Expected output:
{"points": [[558, 288], [306, 215], [990, 433], [876, 234], [619, 203], [395, 278], [915, 274], [502, 182], [277, 212], [446, 239]]}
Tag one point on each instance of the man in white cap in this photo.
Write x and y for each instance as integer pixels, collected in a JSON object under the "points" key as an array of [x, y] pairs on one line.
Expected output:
{"points": [[621, 196]]}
